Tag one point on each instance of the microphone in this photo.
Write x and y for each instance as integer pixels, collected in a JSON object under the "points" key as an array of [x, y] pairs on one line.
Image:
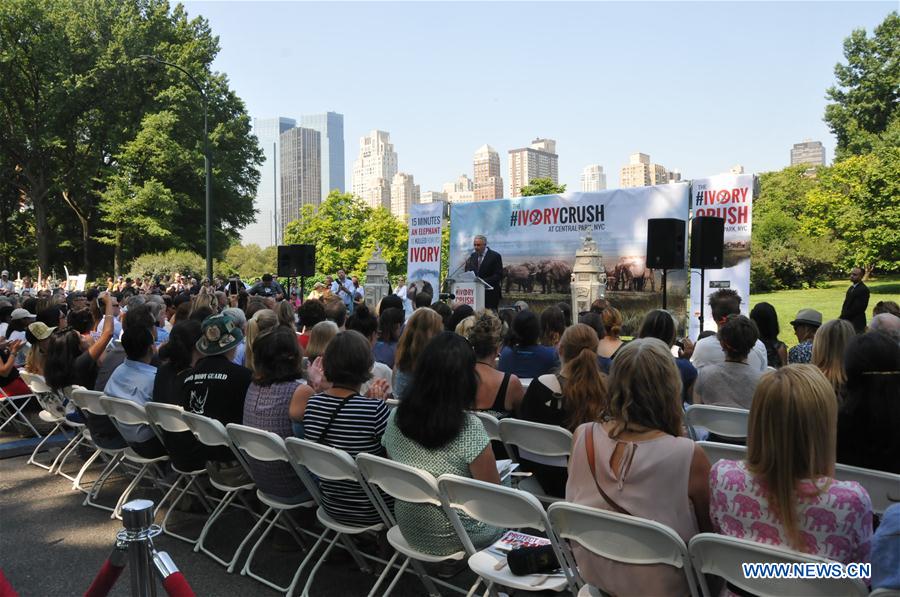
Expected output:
{"points": [[446, 296]]}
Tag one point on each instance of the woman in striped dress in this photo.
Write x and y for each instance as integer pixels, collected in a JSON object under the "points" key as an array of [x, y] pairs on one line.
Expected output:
{"points": [[342, 418]]}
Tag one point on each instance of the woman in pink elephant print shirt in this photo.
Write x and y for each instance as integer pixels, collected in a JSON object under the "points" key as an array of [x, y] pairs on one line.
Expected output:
{"points": [[784, 493]]}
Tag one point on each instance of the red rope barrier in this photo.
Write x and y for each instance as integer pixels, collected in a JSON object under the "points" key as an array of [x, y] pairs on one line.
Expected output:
{"points": [[106, 578], [177, 586]]}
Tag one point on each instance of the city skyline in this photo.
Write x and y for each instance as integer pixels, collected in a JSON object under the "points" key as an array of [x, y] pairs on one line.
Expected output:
{"points": [[742, 103]]}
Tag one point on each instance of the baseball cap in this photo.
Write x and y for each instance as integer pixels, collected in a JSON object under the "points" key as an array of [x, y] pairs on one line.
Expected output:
{"points": [[4, 273], [21, 314], [218, 335], [40, 330]]}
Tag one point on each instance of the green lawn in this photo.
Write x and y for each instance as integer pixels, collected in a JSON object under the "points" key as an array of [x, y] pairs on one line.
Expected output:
{"points": [[827, 300]]}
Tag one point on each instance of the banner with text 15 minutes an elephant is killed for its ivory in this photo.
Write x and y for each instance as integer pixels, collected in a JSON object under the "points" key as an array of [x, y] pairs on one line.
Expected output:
{"points": [[538, 237]]}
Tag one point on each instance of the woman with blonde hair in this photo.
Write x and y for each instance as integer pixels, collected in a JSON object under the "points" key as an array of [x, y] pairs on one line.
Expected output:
{"points": [[636, 462], [262, 320], [785, 493], [319, 337], [424, 325], [829, 344], [612, 323], [498, 392], [577, 394]]}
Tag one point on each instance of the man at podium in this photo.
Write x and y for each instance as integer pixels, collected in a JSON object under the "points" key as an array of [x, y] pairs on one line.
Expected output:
{"points": [[487, 265]]}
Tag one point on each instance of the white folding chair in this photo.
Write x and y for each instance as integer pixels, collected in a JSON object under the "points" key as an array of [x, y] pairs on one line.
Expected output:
{"points": [[332, 464], [505, 508], [212, 433], [545, 444], [407, 484], [267, 447], [81, 435], [622, 538], [11, 410], [723, 556], [724, 421], [491, 424], [53, 411], [89, 402], [882, 487], [168, 418], [717, 451], [126, 412]]}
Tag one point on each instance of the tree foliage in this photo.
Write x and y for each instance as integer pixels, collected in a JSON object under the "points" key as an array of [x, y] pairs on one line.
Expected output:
{"points": [[542, 186], [81, 105], [248, 261], [345, 230], [169, 262], [866, 97]]}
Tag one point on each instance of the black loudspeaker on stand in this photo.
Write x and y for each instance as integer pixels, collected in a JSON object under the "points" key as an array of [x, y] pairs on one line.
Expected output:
{"points": [[297, 261], [665, 247], [707, 249]]}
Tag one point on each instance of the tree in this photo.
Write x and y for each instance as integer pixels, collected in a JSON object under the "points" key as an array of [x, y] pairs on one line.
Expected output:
{"points": [[542, 186], [168, 263], [345, 230], [76, 93], [867, 94], [249, 261]]}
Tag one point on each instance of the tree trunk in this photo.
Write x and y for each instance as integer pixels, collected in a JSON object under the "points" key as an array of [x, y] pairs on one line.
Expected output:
{"points": [[117, 253], [85, 221], [867, 271], [41, 227]]}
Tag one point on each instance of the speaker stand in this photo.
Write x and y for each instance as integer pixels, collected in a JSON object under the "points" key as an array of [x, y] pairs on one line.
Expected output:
{"points": [[665, 285], [302, 289], [702, 306]]}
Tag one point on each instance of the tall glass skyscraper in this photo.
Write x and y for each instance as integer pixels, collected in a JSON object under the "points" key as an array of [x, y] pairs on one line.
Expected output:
{"points": [[331, 127], [264, 232]]}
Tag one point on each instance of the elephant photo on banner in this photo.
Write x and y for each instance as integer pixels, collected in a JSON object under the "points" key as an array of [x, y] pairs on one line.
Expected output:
{"points": [[538, 238]]}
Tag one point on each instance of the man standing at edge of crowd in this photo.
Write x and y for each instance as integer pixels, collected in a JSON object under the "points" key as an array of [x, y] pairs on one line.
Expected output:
{"points": [[856, 301], [487, 265], [344, 289]]}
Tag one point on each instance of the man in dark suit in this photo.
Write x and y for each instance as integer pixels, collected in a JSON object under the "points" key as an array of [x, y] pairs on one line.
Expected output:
{"points": [[487, 265], [856, 301]]}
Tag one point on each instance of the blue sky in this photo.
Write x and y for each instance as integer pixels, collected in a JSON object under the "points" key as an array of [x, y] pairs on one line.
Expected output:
{"points": [[698, 86]]}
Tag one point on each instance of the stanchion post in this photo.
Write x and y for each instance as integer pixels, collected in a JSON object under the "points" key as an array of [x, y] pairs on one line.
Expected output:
{"points": [[137, 516]]}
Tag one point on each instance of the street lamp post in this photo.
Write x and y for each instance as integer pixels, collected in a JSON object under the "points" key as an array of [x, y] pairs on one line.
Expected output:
{"points": [[207, 159]]}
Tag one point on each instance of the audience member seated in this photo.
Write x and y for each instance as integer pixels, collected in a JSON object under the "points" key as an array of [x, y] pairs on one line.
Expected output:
{"points": [[277, 383], [785, 493], [886, 307], [432, 430], [336, 311], [72, 358], [343, 418], [114, 355], [612, 325], [442, 309], [553, 324], [636, 462], [829, 345], [499, 393], [321, 334], [660, 324], [523, 356], [310, 313], [38, 336], [390, 324], [422, 300], [887, 324], [577, 394], [460, 312], [463, 327], [708, 350], [869, 418], [424, 325], [261, 321], [886, 551], [10, 382], [566, 309], [766, 320], [805, 326], [133, 380], [733, 381], [240, 320], [595, 322], [366, 323], [177, 356]]}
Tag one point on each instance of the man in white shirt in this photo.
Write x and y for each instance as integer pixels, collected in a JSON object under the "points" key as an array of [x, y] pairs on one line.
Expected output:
{"points": [[6, 284], [708, 351]]}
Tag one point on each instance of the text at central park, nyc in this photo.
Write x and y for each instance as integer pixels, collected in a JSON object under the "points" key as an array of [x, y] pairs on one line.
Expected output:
{"points": [[538, 237]]}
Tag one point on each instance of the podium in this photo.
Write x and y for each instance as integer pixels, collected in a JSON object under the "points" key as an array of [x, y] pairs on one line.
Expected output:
{"points": [[469, 290]]}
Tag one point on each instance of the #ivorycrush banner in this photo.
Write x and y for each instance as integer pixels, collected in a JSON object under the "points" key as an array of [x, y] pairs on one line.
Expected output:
{"points": [[728, 196], [538, 237]]}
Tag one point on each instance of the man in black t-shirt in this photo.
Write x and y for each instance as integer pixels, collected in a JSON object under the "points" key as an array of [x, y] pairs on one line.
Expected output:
{"points": [[216, 388]]}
